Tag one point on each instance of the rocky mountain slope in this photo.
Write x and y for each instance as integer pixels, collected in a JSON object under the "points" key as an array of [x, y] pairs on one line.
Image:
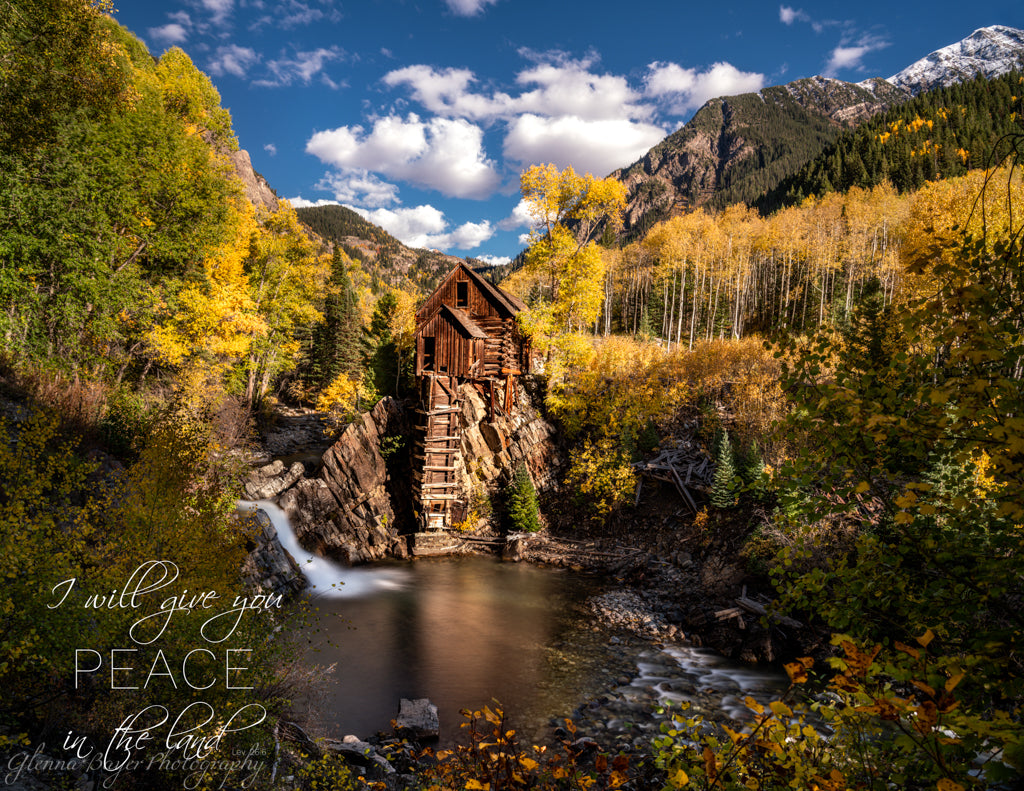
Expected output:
{"points": [[383, 257], [737, 148], [990, 51]]}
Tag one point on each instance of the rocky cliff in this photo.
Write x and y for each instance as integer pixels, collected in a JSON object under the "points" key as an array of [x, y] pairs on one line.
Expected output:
{"points": [[359, 507]]}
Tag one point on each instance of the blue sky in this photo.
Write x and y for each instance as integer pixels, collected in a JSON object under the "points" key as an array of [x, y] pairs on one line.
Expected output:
{"points": [[421, 114]]}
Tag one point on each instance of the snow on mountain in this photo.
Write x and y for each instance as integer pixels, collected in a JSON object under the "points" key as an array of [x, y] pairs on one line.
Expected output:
{"points": [[990, 51]]}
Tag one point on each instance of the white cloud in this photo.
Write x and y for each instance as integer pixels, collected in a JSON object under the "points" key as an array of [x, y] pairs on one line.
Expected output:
{"points": [[233, 59], [565, 87], [302, 68], [850, 55], [468, 7], [686, 89], [494, 260], [171, 33], [426, 226], [597, 147], [788, 16], [220, 9], [359, 188], [299, 202], [519, 218], [442, 154], [271, 149]]}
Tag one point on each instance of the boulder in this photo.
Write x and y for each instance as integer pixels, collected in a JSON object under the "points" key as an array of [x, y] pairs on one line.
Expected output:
{"points": [[359, 753], [418, 719], [271, 480]]}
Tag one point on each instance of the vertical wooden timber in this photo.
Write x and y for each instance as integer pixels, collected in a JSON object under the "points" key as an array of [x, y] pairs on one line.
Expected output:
{"points": [[441, 437]]}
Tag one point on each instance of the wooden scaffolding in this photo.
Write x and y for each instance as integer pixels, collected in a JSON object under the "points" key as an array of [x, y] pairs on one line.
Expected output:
{"points": [[440, 437]]}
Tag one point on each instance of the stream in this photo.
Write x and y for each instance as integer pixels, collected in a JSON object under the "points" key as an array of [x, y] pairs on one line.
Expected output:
{"points": [[472, 631]]}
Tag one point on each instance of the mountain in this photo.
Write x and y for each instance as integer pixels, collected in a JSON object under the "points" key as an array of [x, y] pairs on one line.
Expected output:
{"points": [[736, 148], [939, 134], [381, 255], [989, 51]]}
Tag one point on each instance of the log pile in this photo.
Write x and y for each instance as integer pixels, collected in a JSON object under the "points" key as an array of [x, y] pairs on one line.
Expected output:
{"points": [[684, 464]]}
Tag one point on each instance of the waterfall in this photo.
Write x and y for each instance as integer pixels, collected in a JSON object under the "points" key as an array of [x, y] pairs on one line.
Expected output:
{"points": [[326, 577]]}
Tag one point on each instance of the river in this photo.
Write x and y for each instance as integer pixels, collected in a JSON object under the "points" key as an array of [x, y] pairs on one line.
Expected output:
{"points": [[466, 632]]}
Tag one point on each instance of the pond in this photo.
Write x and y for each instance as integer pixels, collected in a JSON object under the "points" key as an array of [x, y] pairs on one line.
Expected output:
{"points": [[468, 631]]}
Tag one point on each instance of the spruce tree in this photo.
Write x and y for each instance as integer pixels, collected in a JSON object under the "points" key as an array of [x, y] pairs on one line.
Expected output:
{"points": [[336, 341], [523, 510], [723, 488]]}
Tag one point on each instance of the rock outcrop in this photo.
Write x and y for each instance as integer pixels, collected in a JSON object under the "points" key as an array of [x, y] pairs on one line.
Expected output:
{"points": [[271, 480], [360, 506], [346, 512], [257, 191], [493, 445], [268, 566]]}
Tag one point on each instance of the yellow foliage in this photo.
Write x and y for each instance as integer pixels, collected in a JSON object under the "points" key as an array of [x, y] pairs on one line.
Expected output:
{"points": [[345, 397]]}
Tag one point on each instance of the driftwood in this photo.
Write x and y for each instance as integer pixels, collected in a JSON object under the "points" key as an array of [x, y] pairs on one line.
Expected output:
{"points": [[757, 608], [685, 464]]}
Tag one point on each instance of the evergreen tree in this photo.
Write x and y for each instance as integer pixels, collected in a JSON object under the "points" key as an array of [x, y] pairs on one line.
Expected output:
{"points": [[380, 352], [723, 488], [523, 511], [336, 341]]}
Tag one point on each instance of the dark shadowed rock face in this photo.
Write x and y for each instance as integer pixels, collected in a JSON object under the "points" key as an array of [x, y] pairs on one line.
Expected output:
{"points": [[268, 566], [346, 512]]}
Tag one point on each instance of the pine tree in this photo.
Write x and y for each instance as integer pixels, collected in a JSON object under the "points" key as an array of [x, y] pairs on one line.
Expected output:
{"points": [[523, 511], [336, 341], [723, 488]]}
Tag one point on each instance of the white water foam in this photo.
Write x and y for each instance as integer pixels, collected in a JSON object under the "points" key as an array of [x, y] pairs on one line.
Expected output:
{"points": [[325, 577]]}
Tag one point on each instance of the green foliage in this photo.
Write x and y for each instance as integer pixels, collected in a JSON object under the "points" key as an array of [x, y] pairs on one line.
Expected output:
{"points": [[126, 423], [939, 134], [173, 505], [724, 491], [335, 345], [914, 450], [523, 512]]}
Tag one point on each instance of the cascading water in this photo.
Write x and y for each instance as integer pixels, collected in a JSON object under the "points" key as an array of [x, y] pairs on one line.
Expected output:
{"points": [[327, 578]]}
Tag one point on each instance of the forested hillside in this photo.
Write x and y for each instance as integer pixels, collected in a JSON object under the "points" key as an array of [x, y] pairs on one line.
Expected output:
{"points": [[939, 134], [384, 258], [735, 148]]}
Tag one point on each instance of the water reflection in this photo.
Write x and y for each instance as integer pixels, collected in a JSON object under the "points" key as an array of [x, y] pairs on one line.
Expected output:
{"points": [[465, 631]]}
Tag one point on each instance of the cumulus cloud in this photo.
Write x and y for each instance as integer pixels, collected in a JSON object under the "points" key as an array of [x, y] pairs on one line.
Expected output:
{"points": [[219, 9], [564, 87], [233, 59], [442, 154], [597, 147], [298, 202], [171, 33], [519, 218], [850, 54], [359, 188], [293, 14], [302, 68], [686, 89], [271, 149], [426, 226], [468, 7]]}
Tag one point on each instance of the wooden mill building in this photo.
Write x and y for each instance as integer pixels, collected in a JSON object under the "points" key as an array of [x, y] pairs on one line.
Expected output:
{"points": [[465, 332]]}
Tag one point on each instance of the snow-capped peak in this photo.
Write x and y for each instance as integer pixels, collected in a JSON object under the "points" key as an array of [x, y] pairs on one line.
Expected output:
{"points": [[990, 51]]}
